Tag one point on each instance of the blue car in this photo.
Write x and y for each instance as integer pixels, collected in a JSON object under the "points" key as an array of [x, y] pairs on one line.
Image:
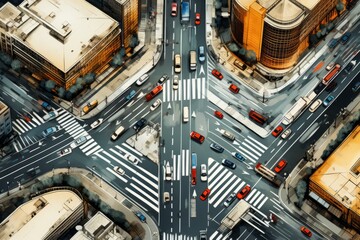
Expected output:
{"points": [[216, 147], [140, 216], [50, 131], [238, 156], [328, 100], [131, 95]]}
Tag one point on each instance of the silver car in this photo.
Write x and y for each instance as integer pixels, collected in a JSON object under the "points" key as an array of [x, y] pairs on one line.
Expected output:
{"points": [[230, 200], [78, 141], [176, 82], [228, 135]]}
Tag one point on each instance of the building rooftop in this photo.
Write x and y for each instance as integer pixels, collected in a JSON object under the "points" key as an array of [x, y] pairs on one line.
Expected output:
{"points": [[339, 175], [309, 4], [60, 31], [3, 107], [36, 218], [285, 11]]}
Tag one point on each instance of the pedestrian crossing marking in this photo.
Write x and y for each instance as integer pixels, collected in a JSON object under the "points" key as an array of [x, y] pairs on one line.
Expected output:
{"points": [[193, 88]]}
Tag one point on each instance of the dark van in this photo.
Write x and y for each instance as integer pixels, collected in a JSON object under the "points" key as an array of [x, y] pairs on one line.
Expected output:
{"points": [[257, 117]]}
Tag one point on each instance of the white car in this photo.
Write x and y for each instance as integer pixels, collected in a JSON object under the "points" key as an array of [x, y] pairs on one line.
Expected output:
{"points": [[96, 123], [168, 172], [286, 134], [330, 66], [50, 115], [119, 170], [78, 141], [155, 105], [176, 82], [65, 151], [133, 159], [142, 79], [203, 175], [166, 197]]}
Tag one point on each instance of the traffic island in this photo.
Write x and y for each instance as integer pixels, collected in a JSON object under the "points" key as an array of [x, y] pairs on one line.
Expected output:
{"points": [[146, 141]]}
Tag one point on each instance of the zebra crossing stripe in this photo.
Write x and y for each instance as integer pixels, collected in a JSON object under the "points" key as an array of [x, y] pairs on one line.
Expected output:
{"points": [[258, 200], [187, 162], [255, 196], [97, 147], [132, 149], [117, 175], [178, 92], [258, 143], [252, 192], [188, 88], [146, 187], [38, 117], [137, 195], [18, 127], [198, 81], [183, 163], [22, 125], [184, 89], [262, 203], [179, 166], [226, 193], [154, 201], [203, 96], [253, 145], [174, 167]]}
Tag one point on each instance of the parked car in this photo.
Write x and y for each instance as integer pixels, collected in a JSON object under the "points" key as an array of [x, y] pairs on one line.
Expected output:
{"points": [[201, 54], [197, 18], [78, 141], [306, 231], [141, 216], [65, 151], [228, 163], [155, 105], [205, 194], [227, 135], [277, 131], [233, 88], [163, 79], [176, 82], [119, 170], [90, 106], [243, 192], [131, 95], [203, 174], [96, 123], [238, 156], [281, 164], [140, 124], [230, 199], [142, 79], [286, 134], [328, 100], [217, 74], [50, 115], [197, 137], [50, 130], [216, 147], [218, 114]]}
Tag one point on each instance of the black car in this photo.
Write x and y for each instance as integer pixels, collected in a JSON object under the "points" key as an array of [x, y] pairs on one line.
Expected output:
{"points": [[318, 88], [331, 86], [216, 148], [349, 67], [163, 79], [228, 163], [140, 124]]}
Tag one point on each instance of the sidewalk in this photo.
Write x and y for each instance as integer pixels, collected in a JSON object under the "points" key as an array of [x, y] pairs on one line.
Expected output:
{"points": [[311, 213], [116, 82]]}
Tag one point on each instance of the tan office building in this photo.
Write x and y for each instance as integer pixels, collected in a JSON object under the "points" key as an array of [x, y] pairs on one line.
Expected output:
{"points": [[59, 40], [5, 120], [278, 30], [336, 184]]}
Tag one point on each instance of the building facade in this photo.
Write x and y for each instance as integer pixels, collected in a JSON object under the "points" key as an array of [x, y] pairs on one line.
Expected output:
{"points": [[126, 12], [336, 183], [59, 40], [278, 30], [5, 120]]}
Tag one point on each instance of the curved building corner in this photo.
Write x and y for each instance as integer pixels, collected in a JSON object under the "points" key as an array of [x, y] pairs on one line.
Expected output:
{"points": [[278, 30]]}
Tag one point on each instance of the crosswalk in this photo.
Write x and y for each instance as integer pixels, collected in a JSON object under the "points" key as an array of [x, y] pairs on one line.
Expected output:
{"points": [[175, 236], [21, 126], [219, 236], [222, 182], [194, 88], [180, 165], [140, 184], [252, 149]]}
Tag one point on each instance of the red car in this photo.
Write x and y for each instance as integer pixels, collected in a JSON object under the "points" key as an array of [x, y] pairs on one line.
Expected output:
{"points": [[26, 117], [277, 131], [306, 231], [218, 114], [243, 192], [234, 88], [153, 93], [217, 74], [197, 137], [197, 18], [205, 194], [174, 9], [281, 164]]}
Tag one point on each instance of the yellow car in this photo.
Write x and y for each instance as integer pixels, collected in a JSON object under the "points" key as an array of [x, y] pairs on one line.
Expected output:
{"points": [[90, 106]]}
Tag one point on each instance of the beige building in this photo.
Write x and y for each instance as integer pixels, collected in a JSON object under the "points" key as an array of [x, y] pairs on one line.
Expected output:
{"points": [[59, 40], [278, 30], [5, 120], [336, 184], [46, 216], [126, 12]]}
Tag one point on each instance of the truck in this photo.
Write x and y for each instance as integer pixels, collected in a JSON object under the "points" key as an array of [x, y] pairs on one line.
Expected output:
{"points": [[295, 111], [268, 174], [193, 168], [185, 12], [235, 215], [331, 74]]}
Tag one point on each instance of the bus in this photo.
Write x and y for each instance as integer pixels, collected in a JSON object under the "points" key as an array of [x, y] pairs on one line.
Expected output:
{"points": [[193, 168], [185, 12], [267, 173], [257, 117], [331, 74]]}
